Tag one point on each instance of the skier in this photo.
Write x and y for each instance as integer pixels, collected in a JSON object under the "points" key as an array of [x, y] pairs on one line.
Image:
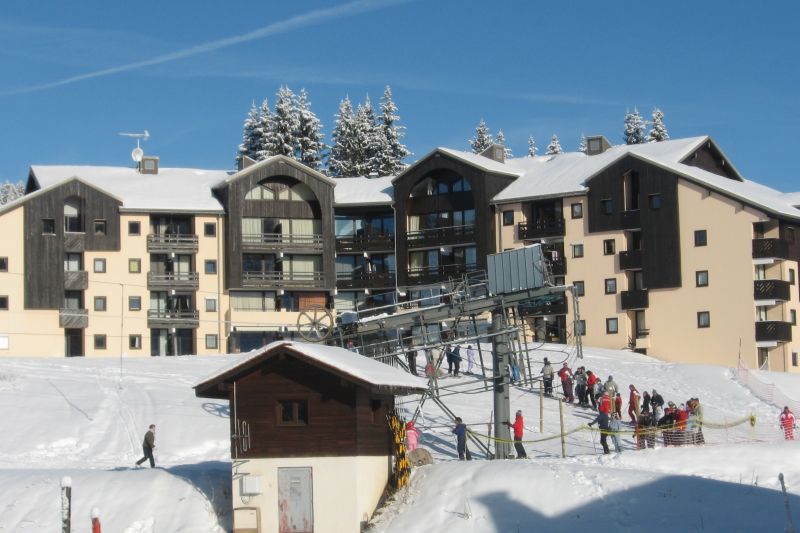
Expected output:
{"points": [[460, 432], [518, 426], [450, 359], [547, 377], [633, 404], [618, 404], [591, 379], [615, 426], [456, 359], [566, 382], [657, 403], [148, 444], [696, 410], [580, 386], [602, 422], [645, 402], [470, 358], [787, 423], [412, 436], [604, 405]]}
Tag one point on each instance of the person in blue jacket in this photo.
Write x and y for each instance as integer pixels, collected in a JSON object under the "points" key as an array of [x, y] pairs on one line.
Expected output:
{"points": [[602, 422], [460, 432]]}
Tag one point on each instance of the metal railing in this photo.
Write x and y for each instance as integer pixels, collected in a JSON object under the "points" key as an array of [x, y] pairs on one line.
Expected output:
{"points": [[171, 242], [364, 280], [771, 289], [770, 249], [189, 280], [543, 227], [443, 235], [630, 260], [434, 274], [270, 278], [186, 318], [364, 243], [635, 299], [283, 240], [773, 330]]}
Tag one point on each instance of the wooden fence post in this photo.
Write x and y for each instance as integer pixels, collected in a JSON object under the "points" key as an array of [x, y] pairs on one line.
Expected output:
{"points": [[66, 504], [561, 418]]}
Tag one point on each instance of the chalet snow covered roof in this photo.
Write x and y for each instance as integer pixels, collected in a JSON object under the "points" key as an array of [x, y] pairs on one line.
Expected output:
{"points": [[350, 365], [363, 191], [171, 190]]}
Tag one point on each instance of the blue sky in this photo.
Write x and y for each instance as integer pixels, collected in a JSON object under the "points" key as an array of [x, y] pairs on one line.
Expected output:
{"points": [[77, 73]]}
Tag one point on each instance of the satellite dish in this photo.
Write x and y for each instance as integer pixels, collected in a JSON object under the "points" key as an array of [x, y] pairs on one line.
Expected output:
{"points": [[137, 154]]}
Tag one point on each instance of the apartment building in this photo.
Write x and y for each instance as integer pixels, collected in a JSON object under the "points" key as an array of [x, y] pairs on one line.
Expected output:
{"points": [[673, 252]]}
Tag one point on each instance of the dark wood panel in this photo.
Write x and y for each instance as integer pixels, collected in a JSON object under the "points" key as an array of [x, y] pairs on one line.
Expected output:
{"points": [[710, 159]]}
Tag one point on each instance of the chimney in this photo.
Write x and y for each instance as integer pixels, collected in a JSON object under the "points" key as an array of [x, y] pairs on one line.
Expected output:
{"points": [[148, 165], [496, 152], [597, 144], [245, 162]]}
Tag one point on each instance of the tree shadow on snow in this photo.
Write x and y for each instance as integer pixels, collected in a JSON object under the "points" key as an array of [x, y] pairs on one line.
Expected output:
{"points": [[213, 480]]}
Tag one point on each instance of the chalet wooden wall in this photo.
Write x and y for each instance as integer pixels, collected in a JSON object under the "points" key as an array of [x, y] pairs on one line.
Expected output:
{"points": [[709, 159]]}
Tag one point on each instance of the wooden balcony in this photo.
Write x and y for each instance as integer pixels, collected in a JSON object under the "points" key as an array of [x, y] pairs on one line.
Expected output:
{"points": [[276, 279], [630, 219], [175, 280], [162, 243], [74, 241], [437, 274], [770, 249], [441, 236], [771, 289], [536, 229], [369, 242], [630, 260], [281, 242], [76, 280], [773, 331], [636, 299], [73, 318], [163, 318], [365, 280], [549, 304]]}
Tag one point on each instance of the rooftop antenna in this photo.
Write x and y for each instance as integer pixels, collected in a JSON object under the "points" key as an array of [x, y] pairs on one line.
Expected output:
{"points": [[137, 153]]}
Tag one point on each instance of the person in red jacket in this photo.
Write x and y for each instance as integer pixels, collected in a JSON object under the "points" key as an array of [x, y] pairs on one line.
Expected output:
{"points": [[633, 404], [591, 379], [787, 423], [618, 405], [605, 404], [566, 382], [518, 426]]}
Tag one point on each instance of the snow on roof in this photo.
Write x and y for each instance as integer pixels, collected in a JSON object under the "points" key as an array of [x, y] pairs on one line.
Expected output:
{"points": [[172, 189], [363, 191], [475, 160], [356, 366]]}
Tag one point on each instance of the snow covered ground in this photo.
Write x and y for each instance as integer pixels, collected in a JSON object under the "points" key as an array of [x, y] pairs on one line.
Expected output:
{"points": [[86, 418]]}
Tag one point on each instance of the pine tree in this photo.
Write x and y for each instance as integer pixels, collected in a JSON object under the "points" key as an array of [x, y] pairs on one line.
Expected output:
{"points": [[634, 128], [341, 152], [531, 147], [251, 136], [362, 140], [554, 147], [310, 144], [658, 131], [284, 125], [264, 132], [11, 191], [373, 137], [582, 144], [482, 139], [390, 160], [501, 140]]}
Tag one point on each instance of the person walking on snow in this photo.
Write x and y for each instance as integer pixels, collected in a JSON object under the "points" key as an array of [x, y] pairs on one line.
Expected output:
{"points": [[615, 427], [566, 382], [457, 358], [591, 379], [547, 377], [657, 403], [602, 422], [580, 386], [633, 404], [412, 436], [460, 431], [450, 359], [787, 423], [148, 444], [604, 405], [518, 426], [470, 358]]}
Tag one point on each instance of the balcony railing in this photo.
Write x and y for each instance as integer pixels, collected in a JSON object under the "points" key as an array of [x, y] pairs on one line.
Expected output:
{"points": [[544, 227], [771, 289], [630, 260], [369, 242], [551, 304], [170, 318], [282, 241], [73, 318], [773, 330], [630, 219], [76, 280], [558, 267], [175, 280], [166, 243], [439, 236], [279, 279], [365, 280], [636, 299], [435, 274], [74, 241], [770, 249]]}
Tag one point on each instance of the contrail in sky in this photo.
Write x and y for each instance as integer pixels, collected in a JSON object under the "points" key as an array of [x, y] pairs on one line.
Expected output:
{"points": [[307, 19]]}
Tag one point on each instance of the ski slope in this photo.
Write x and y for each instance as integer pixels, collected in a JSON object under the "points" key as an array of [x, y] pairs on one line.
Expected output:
{"points": [[85, 418]]}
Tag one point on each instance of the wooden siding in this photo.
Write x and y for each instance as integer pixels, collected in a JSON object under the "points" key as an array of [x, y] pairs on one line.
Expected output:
{"points": [[44, 254], [484, 187], [341, 421], [661, 259], [710, 159]]}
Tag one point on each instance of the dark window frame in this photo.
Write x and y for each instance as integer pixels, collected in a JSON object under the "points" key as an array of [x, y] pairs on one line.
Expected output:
{"points": [[575, 248], [3, 264], [700, 237], [707, 315], [100, 226], [506, 220], [792, 277], [5, 302], [697, 278], [102, 261], [609, 246], [580, 288], [609, 321], [296, 415], [103, 304], [100, 342], [131, 300], [209, 337], [134, 261], [793, 317], [794, 358], [605, 285], [654, 201], [134, 224], [607, 206], [209, 229], [134, 339], [48, 226], [210, 266], [211, 308], [576, 210]]}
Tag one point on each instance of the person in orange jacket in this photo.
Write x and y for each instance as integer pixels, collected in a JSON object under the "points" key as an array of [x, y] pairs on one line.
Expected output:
{"points": [[519, 427], [787, 423], [604, 405], [633, 404]]}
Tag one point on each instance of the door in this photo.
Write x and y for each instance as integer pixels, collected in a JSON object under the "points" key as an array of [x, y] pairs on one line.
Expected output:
{"points": [[73, 343], [295, 500]]}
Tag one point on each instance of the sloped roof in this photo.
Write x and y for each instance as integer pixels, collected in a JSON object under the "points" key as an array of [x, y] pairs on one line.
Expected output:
{"points": [[233, 176], [475, 160], [352, 366], [363, 191], [171, 190]]}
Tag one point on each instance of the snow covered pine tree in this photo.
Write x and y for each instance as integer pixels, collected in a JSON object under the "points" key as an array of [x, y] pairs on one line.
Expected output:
{"points": [[251, 136], [634, 128], [390, 159], [482, 139], [280, 139], [582, 145], [310, 145], [658, 131], [341, 158], [532, 149], [554, 147], [501, 140]]}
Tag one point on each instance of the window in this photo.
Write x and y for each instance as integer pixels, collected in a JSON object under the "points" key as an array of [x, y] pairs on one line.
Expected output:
{"points": [[134, 227], [292, 412], [609, 247], [700, 238], [791, 276], [210, 229], [211, 304], [3, 342], [134, 303], [701, 278], [73, 262], [135, 342], [4, 303], [99, 342], [3, 264], [577, 210], [100, 265], [612, 325], [788, 235], [607, 206], [655, 201], [48, 226], [134, 266], [508, 218], [100, 303], [210, 266], [211, 342], [611, 286], [580, 289], [577, 250], [794, 358], [703, 319], [100, 227], [581, 327], [793, 317], [73, 222]]}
